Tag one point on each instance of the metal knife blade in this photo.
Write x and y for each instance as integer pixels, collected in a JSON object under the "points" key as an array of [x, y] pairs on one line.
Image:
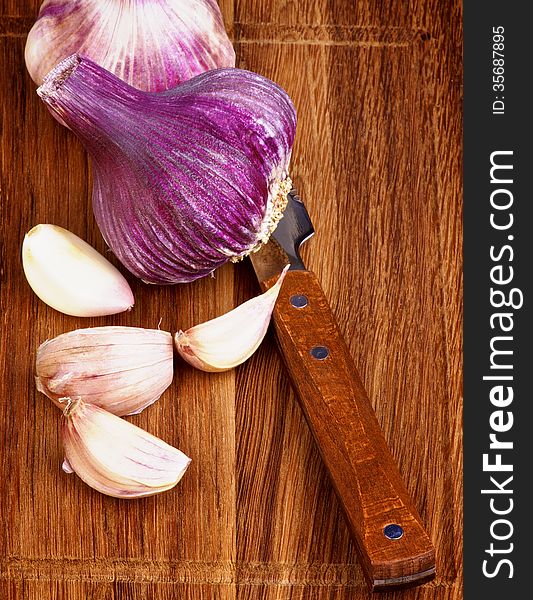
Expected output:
{"points": [[394, 548], [283, 247]]}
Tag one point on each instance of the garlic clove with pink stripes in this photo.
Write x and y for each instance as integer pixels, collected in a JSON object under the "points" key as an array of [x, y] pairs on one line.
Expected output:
{"points": [[116, 457], [120, 369]]}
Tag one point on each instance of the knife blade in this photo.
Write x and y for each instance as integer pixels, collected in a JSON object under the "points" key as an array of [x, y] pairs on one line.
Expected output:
{"points": [[394, 549]]}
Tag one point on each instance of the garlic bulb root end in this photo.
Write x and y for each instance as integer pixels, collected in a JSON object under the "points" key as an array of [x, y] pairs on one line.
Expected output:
{"points": [[276, 205]]}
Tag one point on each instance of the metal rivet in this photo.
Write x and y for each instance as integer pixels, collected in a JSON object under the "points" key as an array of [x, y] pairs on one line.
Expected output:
{"points": [[319, 352], [299, 301], [393, 532]]}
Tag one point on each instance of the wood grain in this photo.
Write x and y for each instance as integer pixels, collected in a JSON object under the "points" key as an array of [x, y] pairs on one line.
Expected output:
{"points": [[377, 87]]}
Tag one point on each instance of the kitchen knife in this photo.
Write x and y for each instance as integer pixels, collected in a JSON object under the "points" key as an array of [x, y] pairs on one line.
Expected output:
{"points": [[394, 549]]}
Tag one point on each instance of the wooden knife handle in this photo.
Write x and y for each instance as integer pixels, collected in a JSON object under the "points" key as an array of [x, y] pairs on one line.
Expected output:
{"points": [[366, 479]]}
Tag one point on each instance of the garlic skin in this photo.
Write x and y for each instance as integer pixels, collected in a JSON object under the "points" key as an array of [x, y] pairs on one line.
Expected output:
{"points": [[71, 276], [115, 457], [184, 180], [65, 465], [227, 341], [120, 369], [151, 44]]}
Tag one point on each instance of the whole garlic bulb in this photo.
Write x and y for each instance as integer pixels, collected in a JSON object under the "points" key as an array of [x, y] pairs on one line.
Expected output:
{"points": [[184, 180], [151, 44]]}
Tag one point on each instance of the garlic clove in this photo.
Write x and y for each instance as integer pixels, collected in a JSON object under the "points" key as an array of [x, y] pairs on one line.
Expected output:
{"points": [[71, 276], [120, 369], [153, 45], [229, 340], [184, 180], [116, 457]]}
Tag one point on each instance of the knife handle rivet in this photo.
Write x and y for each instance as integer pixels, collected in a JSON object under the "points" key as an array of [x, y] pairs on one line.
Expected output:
{"points": [[393, 532], [299, 301], [319, 352]]}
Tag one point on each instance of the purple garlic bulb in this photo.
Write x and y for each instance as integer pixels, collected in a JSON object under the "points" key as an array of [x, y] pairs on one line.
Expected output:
{"points": [[184, 180], [151, 44]]}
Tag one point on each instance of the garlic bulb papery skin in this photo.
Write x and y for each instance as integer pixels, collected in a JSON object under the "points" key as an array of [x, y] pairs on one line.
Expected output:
{"points": [[116, 457], [151, 44], [227, 341], [120, 369], [184, 180], [71, 276]]}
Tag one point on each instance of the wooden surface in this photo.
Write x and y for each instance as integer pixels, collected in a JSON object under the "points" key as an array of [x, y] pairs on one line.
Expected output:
{"points": [[377, 87]]}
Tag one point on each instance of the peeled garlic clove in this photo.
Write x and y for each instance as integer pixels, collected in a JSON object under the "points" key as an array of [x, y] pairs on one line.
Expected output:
{"points": [[184, 180], [120, 369], [71, 276], [115, 457], [151, 44], [229, 340]]}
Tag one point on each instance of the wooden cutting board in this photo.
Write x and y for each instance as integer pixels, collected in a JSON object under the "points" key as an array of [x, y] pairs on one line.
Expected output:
{"points": [[377, 86]]}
